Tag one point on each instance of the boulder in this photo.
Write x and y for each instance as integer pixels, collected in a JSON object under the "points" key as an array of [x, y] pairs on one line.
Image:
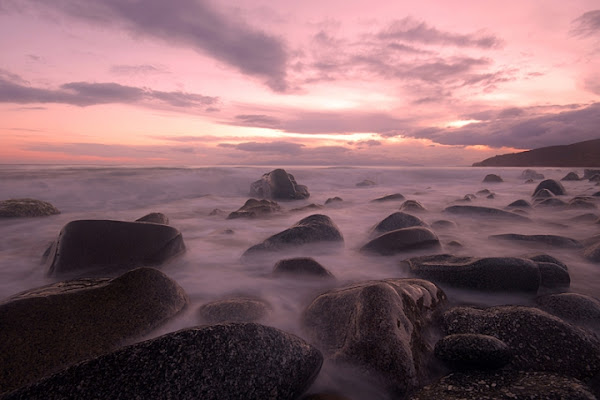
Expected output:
{"points": [[412, 205], [595, 178], [542, 194], [155, 218], [531, 174], [443, 224], [366, 183], [489, 212], [577, 308], [550, 202], [538, 341], [402, 240], [397, 220], [588, 173], [379, 327], [215, 362], [301, 266], [484, 192], [110, 247], [592, 253], [597, 194], [310, 207], [571, 176], [235, 309], [472, 351], [588, 217], [46, 329], [316, 228], [492, 178], [519, 204], [278, 185], [389, 197], [334, 200], [255, 208], [553, 186], [585, 203], [550, 240], [15, 208]]}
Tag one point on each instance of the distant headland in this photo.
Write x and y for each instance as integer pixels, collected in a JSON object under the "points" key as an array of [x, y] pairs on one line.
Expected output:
{"points": [[581, 154]]}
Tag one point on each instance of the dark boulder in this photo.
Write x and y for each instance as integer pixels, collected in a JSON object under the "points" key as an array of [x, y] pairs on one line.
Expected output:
{"points": [[310, 207], [571, 176], [235, 309], [550, 240], [412, 205], [397, 220], [443, 224], [531, 174], [216, 362], [316, 228], [488, 212], [46, 329], [484, 192], [492, 178], [578, 203], [553, 186], [301, 266], [588, 173], [379, 327], [278, 185], [402, 240], [542, 194], [519, 204], [573, 307], [366, 183], [588, 217], [597, 194], [334, 200], [389, 197], [15, 208], [550, 202], [255, 208], [155, 218], [595, 178], [472, 351], [108, 247], [592, 253]]}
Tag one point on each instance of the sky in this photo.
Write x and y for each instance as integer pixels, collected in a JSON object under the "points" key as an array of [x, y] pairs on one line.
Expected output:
{"points": [[287, 82]]}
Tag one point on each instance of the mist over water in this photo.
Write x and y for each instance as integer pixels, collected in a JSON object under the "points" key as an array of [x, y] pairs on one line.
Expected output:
{"points": [[212, 268]]}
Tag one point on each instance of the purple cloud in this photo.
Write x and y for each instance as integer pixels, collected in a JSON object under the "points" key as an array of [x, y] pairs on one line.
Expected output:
{"points": [[587, 24], [267, 147]]}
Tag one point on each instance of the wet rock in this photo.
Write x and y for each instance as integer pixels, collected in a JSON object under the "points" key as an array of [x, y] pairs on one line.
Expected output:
{"points": [[389, 197], [595, 178], [491, 196], [310, 207], [255, 208], [220, 362], [412, 205], [366, 183], [377, 326], [550, 240], [469, 197], [443, 224], [217, 212], [235, 309], [477, 385], [278, 185], [401, 240], [325, 396], [531, 174], [334, 200], [539, 341], [553, 276], [543, 194], [573, 307], [581, 203], [111, 247], [519, 204], [316, 228], [301, 266], [553, 186], [597, 194], [488, 212], [455, 243], [15, 208], [571, 176], [472, 351], [592, 253], [484, 192], [588, 217], [588, 173], [46, 329], [397, 220], [545, 258], [155, 218], [492, 178]]}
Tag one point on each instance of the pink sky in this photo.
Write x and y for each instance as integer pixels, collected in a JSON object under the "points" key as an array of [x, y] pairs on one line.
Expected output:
{"points": [[195, 82]]}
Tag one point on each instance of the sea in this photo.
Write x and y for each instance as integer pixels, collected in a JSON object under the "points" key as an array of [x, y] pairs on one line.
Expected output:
{"points": [[212, 267]]}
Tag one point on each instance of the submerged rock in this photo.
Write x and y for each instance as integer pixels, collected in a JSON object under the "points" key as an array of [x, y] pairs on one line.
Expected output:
{"points": [[397, 220], [589, 173], [577, 308], [581, 203], [412, 205], [401, 240], [109, 247], [553, 186], [485, 212], [217, 362], [15, 208], [472, 351], [278, 185], [155, 218], [550, 202], [366, 183], [46, 329], [334, 200], [519, 204], [301, 266], [542, 194], [550, 240], [310, 207], [235, 309], [377, 326], [255, 208], [492, 178], [531, 174], [571, 176], [389, 197], [592, 253], [443, 224]]}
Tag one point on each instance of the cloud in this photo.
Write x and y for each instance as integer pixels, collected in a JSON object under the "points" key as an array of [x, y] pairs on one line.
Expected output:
{"points": [[341, 122], [257, 120], [282, 147], [592, 84], [194, 23], [141, 69], [587, 24]]}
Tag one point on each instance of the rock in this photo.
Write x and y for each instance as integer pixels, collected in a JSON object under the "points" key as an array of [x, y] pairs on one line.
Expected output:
{"points": [[550, 240], [571, 176], [553, 276], [588, 173], [397, 220], [401, 240], [592, 253], [216, 362], [539, 341], [472, 351], [491, 196], [236, 309], [310, 207], [366, 183], [484, 192], [585, 203], [531, 174], [553, 186], [492, 178], [217, 211], [488, 212], [573, 307], [46, 329], [487, 274], [255, 208], [325, 396], [389, 197], [16, 208], [155, 218], [333, 200], [412, 205], [545, 258], [469, 197], [595, 178], [519, 204], [455, 243], [597, 194], [301, 266], [477, 385], [109, 247], [588, 217], [543, 194], [377, 326], [551, 202], [316, 228], [443, 224], [278, 185]]}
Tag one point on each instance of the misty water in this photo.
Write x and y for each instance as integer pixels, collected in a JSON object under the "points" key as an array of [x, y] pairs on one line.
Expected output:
{"points": [[212, 269]]}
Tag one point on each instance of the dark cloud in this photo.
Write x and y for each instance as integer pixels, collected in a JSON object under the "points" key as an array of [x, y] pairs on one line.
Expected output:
{"points": [[257, 120], [267, 147], [194, 23], [588, 24], [411, 30]]}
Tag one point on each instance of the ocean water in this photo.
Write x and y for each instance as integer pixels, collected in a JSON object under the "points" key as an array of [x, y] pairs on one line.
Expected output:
{"points": [[211, 268]]}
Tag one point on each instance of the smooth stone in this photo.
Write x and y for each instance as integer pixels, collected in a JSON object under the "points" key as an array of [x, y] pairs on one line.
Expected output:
{"points": [[254, 208], [443, 224], [571, 176], [46, 329], [107, 247], [588, 217], [485, 212], [301, 266], [472, 351], [597, 194], [542, 194], [310, 207], [581, 203], [402, 240], [531, 174], [278, 185], [397, 220], [577, 308], [155, 218], [553, 276], [366, 183], [235, 309], [492, 178], [519, 204], [550, 240], [592, 253], [216, 362], [588, 173], [18, 208], [552, 202], [334, 200], [484, 192], [545, 258], [389, 197], [378, 326], [491, 196], [217, 212], [455, 243], [553, 186], [412, 205]]}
